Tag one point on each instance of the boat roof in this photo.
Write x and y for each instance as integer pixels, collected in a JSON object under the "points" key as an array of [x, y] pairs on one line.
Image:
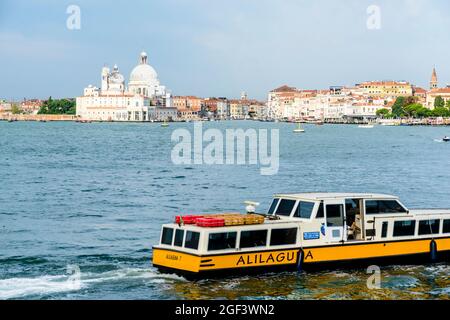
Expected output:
{"points": [[316, 196]]}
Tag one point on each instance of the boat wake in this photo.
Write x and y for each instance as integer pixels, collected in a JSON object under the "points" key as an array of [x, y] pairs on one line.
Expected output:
{"points": [[16, 288]]}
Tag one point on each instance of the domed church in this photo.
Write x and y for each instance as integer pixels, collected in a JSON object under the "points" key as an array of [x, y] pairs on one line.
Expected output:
{"points": [[144, 79], [145, 99]]}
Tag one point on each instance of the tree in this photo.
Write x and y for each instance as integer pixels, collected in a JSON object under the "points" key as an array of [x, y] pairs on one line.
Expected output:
{"points": [[15, 109], [439, 102], [383, 113], [397, 108], [62, 106], [416, 110], [440, 112]]}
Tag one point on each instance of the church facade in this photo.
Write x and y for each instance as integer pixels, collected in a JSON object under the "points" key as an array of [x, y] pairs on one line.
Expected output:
{"points": [[144, 99]]}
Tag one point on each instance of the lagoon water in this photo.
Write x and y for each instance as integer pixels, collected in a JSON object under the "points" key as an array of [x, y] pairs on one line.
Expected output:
{"points": [[94, 196]]}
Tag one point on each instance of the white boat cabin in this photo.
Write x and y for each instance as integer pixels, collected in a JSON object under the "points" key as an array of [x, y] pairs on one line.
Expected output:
{"points": [[313, 219]]}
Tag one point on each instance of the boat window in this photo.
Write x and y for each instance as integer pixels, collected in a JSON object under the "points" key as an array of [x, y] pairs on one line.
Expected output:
{"points": [[281, 237], [167, 236], [179, 235], [320, 213], [352, 209], [383, 206], [222, 241], [192, 239], [251, 239], [335, 215], [446, 227], [404, 228], [285, 207], [429, 226], [304, 210], [273, 206], [384, 229]]}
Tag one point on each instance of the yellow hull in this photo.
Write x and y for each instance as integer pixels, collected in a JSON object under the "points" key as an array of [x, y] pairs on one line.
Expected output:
{"points": [[181, 261]]}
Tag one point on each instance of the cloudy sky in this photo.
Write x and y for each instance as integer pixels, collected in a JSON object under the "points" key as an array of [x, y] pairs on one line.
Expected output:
{"points": [[220, 48]]}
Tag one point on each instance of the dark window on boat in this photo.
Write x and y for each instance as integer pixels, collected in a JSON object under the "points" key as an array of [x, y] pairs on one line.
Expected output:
{"points": [[281, 237], [192, 239], [429, 226], [251, 239], [383, 206], [273, 206], [179, 235], [167, 236], [384, 229], [320, 212], [222, 241], [304, 210], [352, 205], [285, 207], [335, 215], [446, 227], [404, 228]]}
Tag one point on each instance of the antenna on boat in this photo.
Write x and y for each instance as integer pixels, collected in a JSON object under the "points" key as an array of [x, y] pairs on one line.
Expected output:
{"points": [[251, 206]]}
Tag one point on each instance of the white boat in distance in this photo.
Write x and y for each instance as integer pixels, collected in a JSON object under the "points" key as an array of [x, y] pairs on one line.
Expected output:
{"points": [[366, 126], [299, 129]]}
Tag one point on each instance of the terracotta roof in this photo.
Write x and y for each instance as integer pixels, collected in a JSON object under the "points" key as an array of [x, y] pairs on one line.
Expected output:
{"points": [[384, 83], [284, 88], [440, 90], [420, 90]]}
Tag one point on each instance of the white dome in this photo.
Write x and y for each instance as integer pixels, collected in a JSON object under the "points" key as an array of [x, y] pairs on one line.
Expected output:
{"points": [[145, 74]]}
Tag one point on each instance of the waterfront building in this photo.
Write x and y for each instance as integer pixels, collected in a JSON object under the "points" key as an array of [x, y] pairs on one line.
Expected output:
{"points": [[421, 95], [210, 105], [444, 93], [113, 101], [5, 106], [237, 109], [435, 91], [189, 107], [386, 89], [163, 113], [223, 109], [334, 104], [31, 106]]}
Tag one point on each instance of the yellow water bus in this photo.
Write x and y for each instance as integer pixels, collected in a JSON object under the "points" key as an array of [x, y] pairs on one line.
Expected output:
{"points": [[306, 231]]}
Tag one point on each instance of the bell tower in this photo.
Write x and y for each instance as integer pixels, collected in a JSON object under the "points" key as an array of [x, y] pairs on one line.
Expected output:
{"points": [[105, 78], [434, 80]]}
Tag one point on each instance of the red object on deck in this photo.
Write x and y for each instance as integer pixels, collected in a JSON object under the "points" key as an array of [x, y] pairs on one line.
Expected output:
{"points": [[210, 222], [188, 219]]}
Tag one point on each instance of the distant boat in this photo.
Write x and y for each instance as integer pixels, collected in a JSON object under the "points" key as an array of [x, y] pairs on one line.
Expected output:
{"points": [[299, 129], [366, 126], [446, 139], [164, 124]]}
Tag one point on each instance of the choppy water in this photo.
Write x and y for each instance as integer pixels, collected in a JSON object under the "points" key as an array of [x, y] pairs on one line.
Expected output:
{"points": [[95, 195]]}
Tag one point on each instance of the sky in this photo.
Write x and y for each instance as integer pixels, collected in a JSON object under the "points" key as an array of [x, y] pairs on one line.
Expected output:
{"points": [[221, 48]]}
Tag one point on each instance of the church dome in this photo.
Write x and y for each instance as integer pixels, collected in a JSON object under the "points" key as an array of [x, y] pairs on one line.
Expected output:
{"points": [[144, 73]]}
